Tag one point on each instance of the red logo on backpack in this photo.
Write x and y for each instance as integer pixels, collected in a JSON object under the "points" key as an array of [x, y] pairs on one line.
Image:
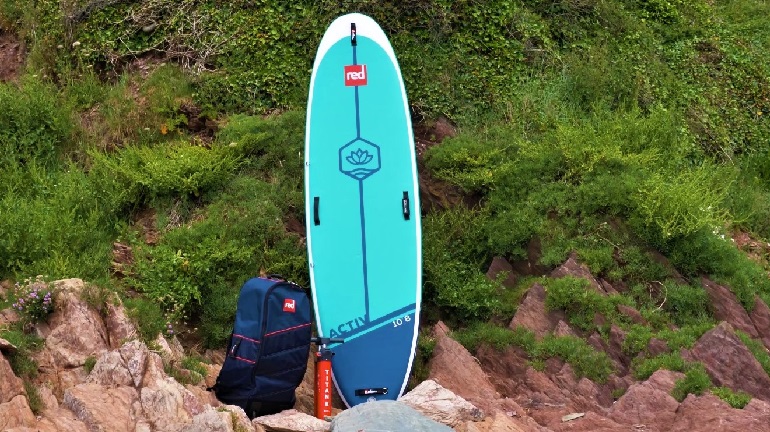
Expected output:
{"points": [[289, 305], [355, 75]]}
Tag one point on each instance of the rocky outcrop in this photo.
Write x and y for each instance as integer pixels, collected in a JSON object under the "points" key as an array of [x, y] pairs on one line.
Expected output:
{"points": [[16, 413], [533, 315], [760, 317], [573, 268], [708, 413], [441, 404], [729, 363], [727, 308], [649, 403], [10, 385]]}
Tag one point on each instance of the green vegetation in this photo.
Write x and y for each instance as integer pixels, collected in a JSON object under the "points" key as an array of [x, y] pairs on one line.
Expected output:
{"points": [[585, 360], [737, 399], [756, 348], [613, 130], [695, 381]]}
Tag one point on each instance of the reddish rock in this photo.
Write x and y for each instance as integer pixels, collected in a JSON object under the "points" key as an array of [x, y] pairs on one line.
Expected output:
{"points": [[729, 363], [501, 268], [649, 403], [120, 329], [455, 369], [564, 329], [16, 414], [591, 422], [632, 314], [532, 313], [100, 408], [727, 308], [656, 347], [708, 413], [573, 268], [760, 316]]}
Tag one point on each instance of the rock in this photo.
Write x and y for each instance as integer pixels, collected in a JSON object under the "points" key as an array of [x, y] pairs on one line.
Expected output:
{"points": [[632, 314], [120, 329], [564, 329], [502, 422], [241, 422], [441, 404], [649, 403], [727, 308], [729, 363], [167, 404], [170, 349], [290, 420], [593, 422], [573, 268], [16, 413], [59, 420], [77, 331], [500, 267], [532, 313], [573, 416], [760, 317], [111, 370], [7, 347], [9, 316], [385, 415], [210, 420], [454, 368], [656, 347], [101, 408], [11, 386], [708, 413], [122, 259]]}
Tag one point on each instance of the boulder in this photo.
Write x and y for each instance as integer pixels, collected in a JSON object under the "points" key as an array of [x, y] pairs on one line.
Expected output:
{"points": [[16, 413], [77, 330], [290, 420], [102, 408], [441, 404], [708, 413], [385, 415], [727, 308], [648, 403], [729, 363]]}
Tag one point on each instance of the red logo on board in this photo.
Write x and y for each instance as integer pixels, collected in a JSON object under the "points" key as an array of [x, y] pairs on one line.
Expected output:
{"points": [[355, 75], [289, 305]]}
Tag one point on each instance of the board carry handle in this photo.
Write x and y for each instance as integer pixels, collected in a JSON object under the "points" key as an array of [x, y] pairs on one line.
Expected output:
{"points": [[316, 216], [405, 205], [353, 38]]}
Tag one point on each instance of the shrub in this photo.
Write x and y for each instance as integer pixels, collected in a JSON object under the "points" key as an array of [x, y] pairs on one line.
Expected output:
{"points": [[644, 368], [585, 360], [581, 302], [34, 299], [736, 400], [696, 381], [757, 348], [36, 124]]}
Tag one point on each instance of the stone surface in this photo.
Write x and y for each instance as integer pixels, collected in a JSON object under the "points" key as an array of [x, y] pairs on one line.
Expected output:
{"points": [[385, 415], [100, 408], [290, 421], [760, 317], [648, 403], [708, 413], [16, 413], [454, 368], [727, 308], [120, 328], [441, 404], [533, 315], [501, 268], [10, 385], [729, 363], [572, 267]]}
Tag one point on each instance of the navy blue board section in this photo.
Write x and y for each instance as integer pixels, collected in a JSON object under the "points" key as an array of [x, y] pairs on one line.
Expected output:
{"points": [[361, 195]]}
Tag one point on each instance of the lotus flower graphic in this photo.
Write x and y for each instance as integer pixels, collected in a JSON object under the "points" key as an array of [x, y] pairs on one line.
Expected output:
{"points": [[359, 157]]}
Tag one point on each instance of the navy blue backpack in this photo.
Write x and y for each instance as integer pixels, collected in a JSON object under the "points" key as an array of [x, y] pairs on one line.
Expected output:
{"points": [[268, 350]]}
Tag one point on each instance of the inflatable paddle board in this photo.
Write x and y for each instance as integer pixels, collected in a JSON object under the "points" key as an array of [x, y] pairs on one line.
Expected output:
{"points": [[362, 210]]}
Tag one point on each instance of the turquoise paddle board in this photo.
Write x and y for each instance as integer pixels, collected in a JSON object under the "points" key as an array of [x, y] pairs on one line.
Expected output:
{"points": [[362, 210]]}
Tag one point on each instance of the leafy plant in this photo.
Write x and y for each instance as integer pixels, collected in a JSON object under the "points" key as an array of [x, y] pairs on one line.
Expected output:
{"points": [[735, 399], [34, 299], [696, 381]]}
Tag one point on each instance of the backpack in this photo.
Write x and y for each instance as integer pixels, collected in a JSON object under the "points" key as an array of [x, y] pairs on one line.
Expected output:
{"points": [[268, 350]]}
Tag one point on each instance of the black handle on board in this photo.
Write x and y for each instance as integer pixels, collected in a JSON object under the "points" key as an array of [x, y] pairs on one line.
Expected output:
{"points": [[353, 41], [405, 205], [316, 217]]}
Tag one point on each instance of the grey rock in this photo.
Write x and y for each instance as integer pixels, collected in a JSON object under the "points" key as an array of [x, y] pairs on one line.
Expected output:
{"points": [[391, 416]]}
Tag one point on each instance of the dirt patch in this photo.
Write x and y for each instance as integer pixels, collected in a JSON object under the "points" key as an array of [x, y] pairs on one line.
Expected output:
{"points": [[12, 55]]}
